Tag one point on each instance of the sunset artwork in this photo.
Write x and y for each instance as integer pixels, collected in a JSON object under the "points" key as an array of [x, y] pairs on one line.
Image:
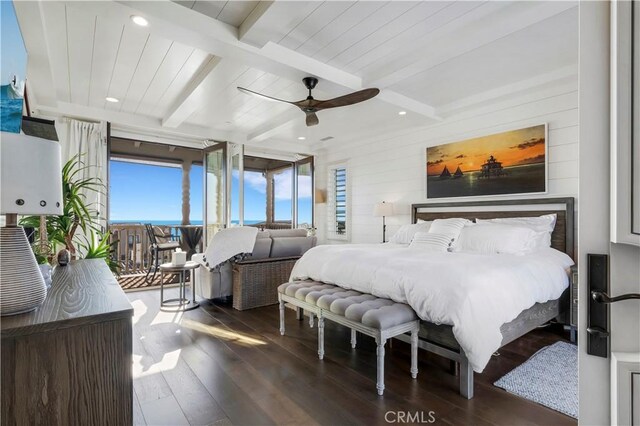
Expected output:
{"points": [[512, 162]]}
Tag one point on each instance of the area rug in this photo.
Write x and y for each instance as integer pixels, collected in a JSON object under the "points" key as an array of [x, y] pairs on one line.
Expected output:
{"points": [[549, 377]]}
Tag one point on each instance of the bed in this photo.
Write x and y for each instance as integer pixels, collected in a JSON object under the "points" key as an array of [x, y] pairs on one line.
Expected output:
{"points": [[330, 265], [439, 339]]}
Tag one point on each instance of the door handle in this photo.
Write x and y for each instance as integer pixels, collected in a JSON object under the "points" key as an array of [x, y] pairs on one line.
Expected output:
{"points": [[598, 332], [602, 297]]}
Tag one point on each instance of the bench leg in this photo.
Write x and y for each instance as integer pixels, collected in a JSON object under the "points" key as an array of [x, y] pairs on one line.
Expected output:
{"points": [[320, 337], [466, 379], [299, 314], [281, 317], [353, 339], [310, 319], [414, 353], [380, 352]]}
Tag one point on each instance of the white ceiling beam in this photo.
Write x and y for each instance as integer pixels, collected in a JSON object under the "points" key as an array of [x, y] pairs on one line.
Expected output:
{"points": [[218, 39], [445, 45], [272, 126], [192, 97], [273, 20], [189, 27], [135, 121]]}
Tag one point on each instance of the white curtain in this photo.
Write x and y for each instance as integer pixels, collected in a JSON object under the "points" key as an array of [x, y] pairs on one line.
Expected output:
{"points": [[90, 141]]}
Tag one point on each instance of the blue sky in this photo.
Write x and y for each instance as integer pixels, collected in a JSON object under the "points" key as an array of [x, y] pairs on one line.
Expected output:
{"points": [[143, 192], [14, 54]]}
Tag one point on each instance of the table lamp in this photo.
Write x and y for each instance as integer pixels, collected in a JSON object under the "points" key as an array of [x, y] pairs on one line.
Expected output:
{"points": [[383, 209], [31, 184]]}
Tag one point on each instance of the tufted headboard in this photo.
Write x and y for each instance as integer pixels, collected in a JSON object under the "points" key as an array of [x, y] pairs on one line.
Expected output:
{"points": [[562, 237]]}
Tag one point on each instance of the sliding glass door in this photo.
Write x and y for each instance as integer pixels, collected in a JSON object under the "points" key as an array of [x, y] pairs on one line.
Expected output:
{"points": [[303, 188]]}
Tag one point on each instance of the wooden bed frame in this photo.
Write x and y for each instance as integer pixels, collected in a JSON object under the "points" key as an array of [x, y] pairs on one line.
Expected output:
{"points": [[439, 339]]}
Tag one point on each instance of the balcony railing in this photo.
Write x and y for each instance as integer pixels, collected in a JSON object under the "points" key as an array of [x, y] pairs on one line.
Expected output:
{"points": [[133, 245]]}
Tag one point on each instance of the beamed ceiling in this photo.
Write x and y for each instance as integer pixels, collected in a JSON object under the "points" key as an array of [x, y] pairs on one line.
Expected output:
{"points": [[177, 77]]}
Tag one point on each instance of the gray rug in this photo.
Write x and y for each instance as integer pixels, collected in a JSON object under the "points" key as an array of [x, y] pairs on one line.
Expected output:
{"points": [[549, 377]]}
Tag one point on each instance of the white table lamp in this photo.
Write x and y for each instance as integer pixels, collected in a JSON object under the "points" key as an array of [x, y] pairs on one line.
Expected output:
{"points": [[383, 210], [30, 184]]}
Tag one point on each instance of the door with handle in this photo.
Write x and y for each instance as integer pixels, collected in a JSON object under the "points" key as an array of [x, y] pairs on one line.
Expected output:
{"points": [[609, 334]]}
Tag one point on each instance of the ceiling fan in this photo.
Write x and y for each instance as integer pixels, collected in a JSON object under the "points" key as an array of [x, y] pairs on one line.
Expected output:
{"points": [[310, 105]]}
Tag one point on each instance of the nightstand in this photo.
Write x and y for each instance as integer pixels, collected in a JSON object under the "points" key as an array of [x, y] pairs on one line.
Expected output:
{"points": [[573, 303]]}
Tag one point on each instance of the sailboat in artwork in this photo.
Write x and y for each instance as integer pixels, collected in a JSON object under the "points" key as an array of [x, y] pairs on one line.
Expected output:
{"points": [[445, 173], [458, 173]]}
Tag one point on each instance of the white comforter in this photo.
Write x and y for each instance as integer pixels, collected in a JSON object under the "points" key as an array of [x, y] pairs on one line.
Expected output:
{"points": [[474, 293]]}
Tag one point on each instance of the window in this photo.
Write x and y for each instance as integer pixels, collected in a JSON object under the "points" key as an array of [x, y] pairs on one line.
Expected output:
{"points": [[337, 204]]}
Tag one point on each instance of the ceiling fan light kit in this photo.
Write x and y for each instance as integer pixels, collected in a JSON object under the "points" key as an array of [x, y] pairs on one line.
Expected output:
{"points": [[311, 106]]}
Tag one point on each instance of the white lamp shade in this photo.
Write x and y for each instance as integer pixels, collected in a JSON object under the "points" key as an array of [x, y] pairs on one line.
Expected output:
{"points": [[383, 209], [31, 175]]}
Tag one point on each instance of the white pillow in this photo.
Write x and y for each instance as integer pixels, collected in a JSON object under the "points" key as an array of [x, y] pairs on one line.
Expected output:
{"points": [[542, 225], [494, 238], [406, 232], [450, 227], [428, 241]]}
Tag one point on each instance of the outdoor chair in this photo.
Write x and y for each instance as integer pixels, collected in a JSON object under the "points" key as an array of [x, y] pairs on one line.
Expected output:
{"points": [[156, 248]]}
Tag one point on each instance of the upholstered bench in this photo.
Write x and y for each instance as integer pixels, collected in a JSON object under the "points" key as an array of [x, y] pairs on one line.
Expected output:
{"points": [[379, 318]]}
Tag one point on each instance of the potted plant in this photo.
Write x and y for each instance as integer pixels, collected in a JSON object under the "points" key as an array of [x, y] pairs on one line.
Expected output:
{"points": [[62, 230]]}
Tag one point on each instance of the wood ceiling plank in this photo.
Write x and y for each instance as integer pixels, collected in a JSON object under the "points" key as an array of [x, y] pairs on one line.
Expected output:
{"points": [[315, 22], [176, 59], [273, 20], [210, 8], [81, 37], [152, 58], [335, 29], [41, 89], [389, 11], [55, 21], [195, 60], [106, 45], [491, 66], [134, 41], [449, 45], [235, 12], [390, 29], [419, 34]]}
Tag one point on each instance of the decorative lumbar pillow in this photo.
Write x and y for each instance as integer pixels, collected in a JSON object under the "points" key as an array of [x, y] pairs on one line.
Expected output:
{"points": [[431, 242], [450, 227], [406, 232], [495, 238], [542, 225]]}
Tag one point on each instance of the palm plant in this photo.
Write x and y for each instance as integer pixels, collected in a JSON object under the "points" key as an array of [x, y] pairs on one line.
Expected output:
{"points": [[99, 247], [76, 213]]}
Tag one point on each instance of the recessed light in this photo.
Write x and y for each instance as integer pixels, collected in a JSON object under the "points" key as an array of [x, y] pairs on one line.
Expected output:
{"points": [[301, 138], [402, 113], [110, 99], [139, 20]]}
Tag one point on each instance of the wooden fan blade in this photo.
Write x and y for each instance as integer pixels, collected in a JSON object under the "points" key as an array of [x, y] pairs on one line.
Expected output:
{"points": [[312, 119], [260, 95], [350, 99]]}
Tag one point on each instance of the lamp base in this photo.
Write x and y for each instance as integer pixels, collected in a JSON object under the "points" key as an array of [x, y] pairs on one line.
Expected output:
{"points": [[22, 288]]}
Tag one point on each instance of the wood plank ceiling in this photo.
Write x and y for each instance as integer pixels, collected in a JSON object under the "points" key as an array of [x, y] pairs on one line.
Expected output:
{"points": [[179, 74]]}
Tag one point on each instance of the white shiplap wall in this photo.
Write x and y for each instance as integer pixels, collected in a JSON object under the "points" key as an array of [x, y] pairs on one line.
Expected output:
{"points": [[391, 167]]}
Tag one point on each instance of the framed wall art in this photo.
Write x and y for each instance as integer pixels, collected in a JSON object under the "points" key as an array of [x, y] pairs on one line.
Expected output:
{"points": [[512, 162]]}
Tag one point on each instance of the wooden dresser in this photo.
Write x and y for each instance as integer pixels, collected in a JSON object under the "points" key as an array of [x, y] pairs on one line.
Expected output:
{"points": [[69, 361]]}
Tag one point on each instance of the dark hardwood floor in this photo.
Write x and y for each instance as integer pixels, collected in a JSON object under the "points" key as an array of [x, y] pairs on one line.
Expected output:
{"points": [[216, 365]]}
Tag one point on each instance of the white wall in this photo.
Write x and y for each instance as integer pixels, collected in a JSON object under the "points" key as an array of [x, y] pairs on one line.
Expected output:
{"points": [[392, 167]]}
